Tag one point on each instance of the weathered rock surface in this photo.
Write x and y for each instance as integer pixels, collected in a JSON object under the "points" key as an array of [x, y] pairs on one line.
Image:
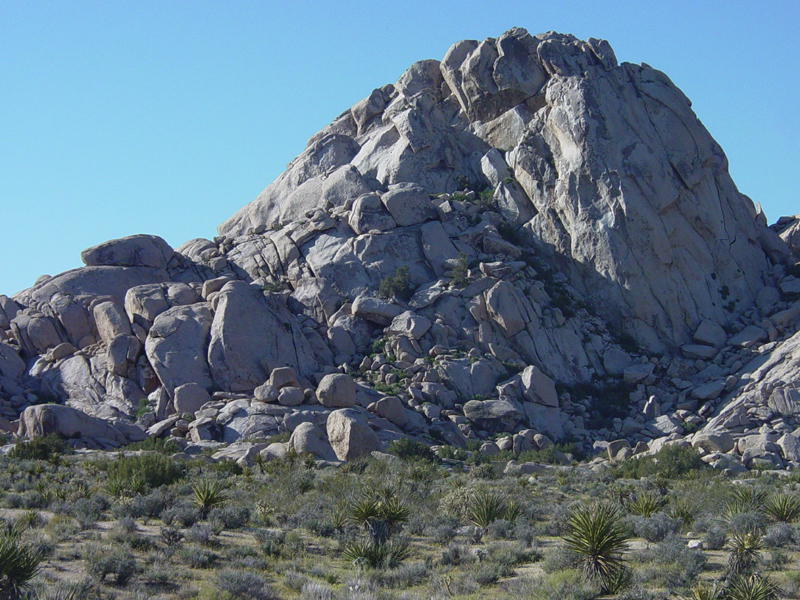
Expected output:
{"points": [[350, 435]]}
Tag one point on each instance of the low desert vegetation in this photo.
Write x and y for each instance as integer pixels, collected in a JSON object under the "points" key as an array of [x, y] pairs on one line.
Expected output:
{"points": [[145, 524]]}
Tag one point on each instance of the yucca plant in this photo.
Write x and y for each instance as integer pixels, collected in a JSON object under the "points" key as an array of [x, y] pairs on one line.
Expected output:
{"points": [[644, 503], [596, 535], [486, 507], [747, 499], [18, 564], [208, 495], [782, 507], [745, 552], [682, 509], [704, 592], [386, 554], [752, 588], [380, 517]]}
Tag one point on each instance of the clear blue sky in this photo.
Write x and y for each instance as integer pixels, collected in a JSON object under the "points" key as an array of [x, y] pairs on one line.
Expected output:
{"points": [[141, 117]]}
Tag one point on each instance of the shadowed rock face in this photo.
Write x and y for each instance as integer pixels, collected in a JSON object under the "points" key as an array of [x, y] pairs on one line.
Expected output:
{"points": [[617, 180]]}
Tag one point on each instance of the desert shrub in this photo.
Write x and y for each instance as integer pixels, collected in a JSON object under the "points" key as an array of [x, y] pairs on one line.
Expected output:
{"points": [[456, 554], [316, 591], [672, 564], [442, 529], [671, 462], [566, 584], [245, 585], [396, 285], [48, 447], [152, 444], [198, 558], [294, 580], [128, 473], [229, 517], [403, 576], [100, 563], [460, 272], [715, 538], [181, 514], [558, 559], [744, 521], [87, 511], [150, 505], [200, 533], [410, 450], [653, 529], [133, 540], [170, 536], [500, 529], [778, 535]]}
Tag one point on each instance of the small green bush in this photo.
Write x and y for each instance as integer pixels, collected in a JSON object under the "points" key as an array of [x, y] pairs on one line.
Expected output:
{"points": [[134, 475], [48, 447], [409, 450], [396, 285], [671, 462]]}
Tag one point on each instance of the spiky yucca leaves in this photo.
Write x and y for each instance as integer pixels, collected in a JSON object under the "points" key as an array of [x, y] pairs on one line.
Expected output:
{"points": [[207, 495], [596, 535], [644, 503], [782, 507], [386, 554], [486, 507], [704, 592], [682, 509], [746, 499], [752, 588], [745, 552], [18, 564], [380, 516]]}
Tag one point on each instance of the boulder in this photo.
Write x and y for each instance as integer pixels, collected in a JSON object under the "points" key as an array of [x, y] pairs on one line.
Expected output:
{"points": [[409, 204], [713, 441], [44, 419], [368, 213], [375, 310], [410, 325], [111, 321], [252, 334], [350, 435], [290, 396], [283, 377], [177, 345], [189, 398], [308, 438], [391, 408], [493, 415], [538, 387], [336, 390], [710, 333], [131, 251], [494, 168]]}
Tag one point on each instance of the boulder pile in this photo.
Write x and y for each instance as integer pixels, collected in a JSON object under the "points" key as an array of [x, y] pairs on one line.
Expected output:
{"points": [[523, 243]]}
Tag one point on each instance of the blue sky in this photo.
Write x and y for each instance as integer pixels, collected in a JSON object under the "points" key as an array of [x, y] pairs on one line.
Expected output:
{"points": [[141, 117]]}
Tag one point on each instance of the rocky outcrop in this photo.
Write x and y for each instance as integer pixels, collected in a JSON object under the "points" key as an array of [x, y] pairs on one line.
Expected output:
{"points": [[559, 251]]}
